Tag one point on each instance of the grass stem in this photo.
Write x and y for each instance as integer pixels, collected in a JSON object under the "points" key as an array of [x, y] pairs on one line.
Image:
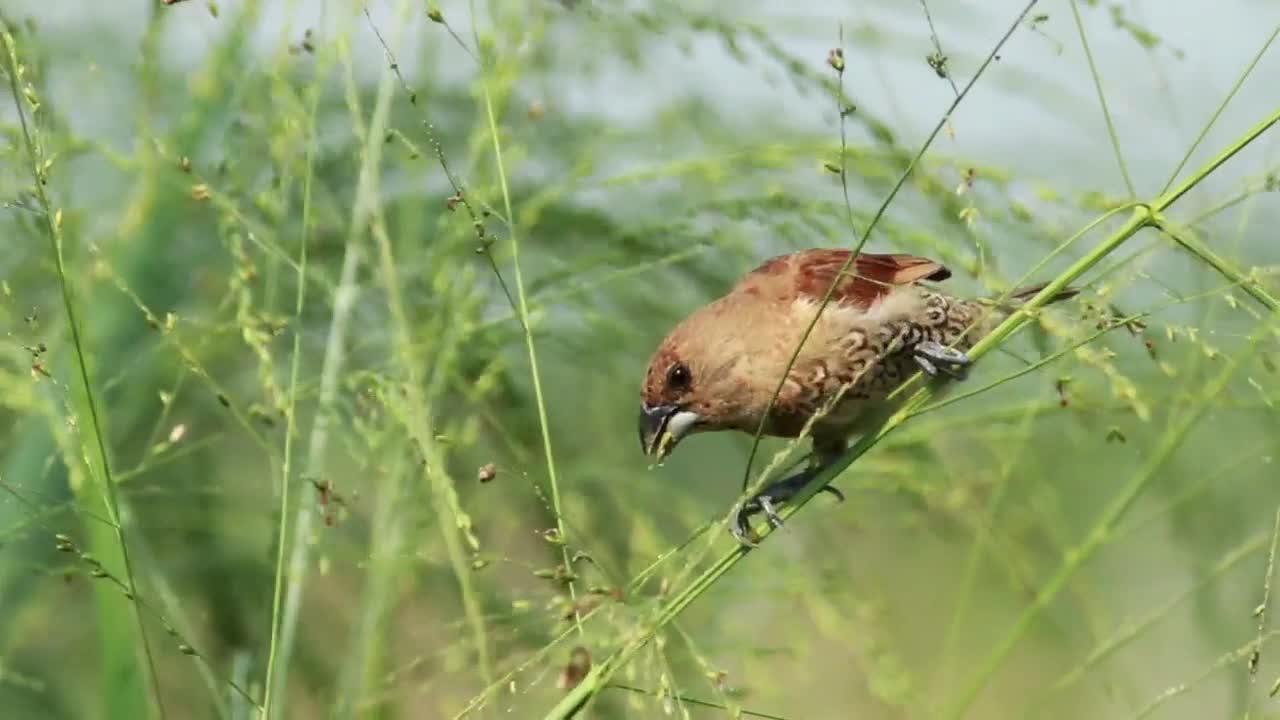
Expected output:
{"points": [[52, 226]]}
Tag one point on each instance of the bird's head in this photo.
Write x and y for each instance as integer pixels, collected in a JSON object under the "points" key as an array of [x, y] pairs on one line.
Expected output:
{"points": [[694, 382]]}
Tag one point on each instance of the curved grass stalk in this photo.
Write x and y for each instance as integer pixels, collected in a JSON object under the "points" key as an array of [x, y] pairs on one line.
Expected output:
{"points": [[53, 230], [1102, 100], [542, 652], [285, 617], [695, 701], [1207, 256], [1099, 536], [1146, 216], [983, 537], [1261, 612], [523, 304], [416, 417], [1225, 660], [1221, 106], [1067, 349], [1127, 632]]}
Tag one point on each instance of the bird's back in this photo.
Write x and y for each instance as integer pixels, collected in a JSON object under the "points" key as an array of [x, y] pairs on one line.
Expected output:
{"points": [[858, 351]]}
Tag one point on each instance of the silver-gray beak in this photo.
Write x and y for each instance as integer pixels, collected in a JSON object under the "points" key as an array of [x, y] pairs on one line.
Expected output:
{"points": [[662, 427]]}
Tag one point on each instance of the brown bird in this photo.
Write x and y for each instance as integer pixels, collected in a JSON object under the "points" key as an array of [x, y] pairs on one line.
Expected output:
{"points": [[718, 369]]}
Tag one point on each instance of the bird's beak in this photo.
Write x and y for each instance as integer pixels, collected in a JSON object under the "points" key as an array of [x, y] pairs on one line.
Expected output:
{"points": [[662, 426]]}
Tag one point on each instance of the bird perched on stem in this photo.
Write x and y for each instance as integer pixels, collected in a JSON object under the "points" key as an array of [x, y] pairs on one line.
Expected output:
{"points": [[720, 367]]}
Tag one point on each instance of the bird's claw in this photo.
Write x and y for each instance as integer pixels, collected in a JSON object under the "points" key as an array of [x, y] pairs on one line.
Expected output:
{"points": [[934, 357], [766, 502], [771, 513], [740, 528]]}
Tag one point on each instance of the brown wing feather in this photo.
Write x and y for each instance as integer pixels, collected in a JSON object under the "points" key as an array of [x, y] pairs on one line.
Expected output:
{"points": [[811, 272]]}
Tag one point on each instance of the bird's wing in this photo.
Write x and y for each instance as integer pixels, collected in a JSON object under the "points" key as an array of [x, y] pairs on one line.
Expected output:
{"points": [[809, 273]]}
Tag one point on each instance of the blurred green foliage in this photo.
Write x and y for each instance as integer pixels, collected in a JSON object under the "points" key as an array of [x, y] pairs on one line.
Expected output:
{"points": [[242, 186]]}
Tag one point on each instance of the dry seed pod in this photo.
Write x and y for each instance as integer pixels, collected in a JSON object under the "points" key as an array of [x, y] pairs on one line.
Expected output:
{"points": [[577, 668]]}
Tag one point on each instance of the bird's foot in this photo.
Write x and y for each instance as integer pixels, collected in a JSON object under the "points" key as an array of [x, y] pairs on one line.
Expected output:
{"points": [[933, 357], [767, 502]]}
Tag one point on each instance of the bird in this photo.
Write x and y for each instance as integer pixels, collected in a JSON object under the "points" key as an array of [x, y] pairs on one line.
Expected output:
{"points": [[718, 368]]}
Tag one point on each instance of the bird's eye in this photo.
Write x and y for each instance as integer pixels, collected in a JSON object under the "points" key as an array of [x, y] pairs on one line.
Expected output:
{"points": [[678, 377]]}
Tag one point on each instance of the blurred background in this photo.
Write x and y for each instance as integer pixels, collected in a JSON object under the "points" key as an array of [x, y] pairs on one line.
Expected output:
{"points": [[306, 358]]}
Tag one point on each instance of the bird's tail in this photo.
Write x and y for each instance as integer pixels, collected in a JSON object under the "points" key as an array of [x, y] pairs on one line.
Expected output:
{"points": [[1018, 297]]}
